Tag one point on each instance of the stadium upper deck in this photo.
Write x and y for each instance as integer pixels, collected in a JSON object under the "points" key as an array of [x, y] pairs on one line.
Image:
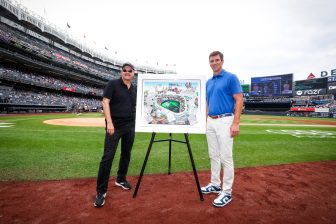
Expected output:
{"points": [[43, 68], [32, 24]]}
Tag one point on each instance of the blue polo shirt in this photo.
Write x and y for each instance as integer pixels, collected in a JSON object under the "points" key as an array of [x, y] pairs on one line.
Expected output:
{"points": [[220, 90]]}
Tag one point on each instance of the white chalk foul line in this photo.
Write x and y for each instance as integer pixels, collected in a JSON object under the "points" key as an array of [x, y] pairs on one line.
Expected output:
{"points": [[305, 133], [6, 125], [293, 125]]}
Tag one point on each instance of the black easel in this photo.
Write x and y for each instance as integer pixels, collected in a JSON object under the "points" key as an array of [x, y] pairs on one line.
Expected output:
{"points": [[169, 163]]}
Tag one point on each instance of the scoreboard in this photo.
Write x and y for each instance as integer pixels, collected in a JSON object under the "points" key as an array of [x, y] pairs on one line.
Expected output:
{"points": [[269, 86]]}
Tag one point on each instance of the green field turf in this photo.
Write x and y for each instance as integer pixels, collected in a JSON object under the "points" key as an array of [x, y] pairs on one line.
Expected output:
{"points": [[31, 150]]}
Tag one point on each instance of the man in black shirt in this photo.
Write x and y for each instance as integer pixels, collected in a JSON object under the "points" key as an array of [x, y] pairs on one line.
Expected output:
{"points": [[119, 102]]}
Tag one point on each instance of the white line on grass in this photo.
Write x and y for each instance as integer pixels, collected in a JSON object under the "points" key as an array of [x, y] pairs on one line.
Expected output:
{"points": [[65, 131], [287, 125], [22, 119], [306, 133], [6, 125]]}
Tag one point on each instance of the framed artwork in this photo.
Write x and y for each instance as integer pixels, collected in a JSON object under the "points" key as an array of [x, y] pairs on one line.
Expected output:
{"points": [[171, 103]]}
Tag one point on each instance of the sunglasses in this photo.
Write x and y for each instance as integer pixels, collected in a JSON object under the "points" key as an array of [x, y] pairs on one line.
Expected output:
{"points": [[129, 71]]}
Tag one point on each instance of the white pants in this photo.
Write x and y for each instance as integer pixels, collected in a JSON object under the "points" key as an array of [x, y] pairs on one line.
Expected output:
{"points": [[220, 146]]}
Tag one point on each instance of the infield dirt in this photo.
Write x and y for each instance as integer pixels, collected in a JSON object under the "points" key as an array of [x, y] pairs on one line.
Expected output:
{"points": [[294, 193]]}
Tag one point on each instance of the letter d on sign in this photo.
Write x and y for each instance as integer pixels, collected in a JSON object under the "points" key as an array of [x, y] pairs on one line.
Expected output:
{"points": [[324, 73]]}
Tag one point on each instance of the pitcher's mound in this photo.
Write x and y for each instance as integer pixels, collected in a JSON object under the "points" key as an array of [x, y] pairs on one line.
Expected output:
{"points": [[85, 122]]}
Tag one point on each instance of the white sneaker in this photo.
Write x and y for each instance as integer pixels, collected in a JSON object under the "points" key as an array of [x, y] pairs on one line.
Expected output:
{"points": [[210, 189], [222, 200]]}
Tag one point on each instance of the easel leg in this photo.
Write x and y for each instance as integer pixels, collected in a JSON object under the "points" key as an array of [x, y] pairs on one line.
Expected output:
{"points": [[144, 165], [169, 163], [193, 166]]}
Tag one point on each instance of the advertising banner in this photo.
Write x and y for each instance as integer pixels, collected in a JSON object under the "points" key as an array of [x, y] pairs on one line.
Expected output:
{"points": [[322, 110], [303, 109], [70, 89], [310, 92]]}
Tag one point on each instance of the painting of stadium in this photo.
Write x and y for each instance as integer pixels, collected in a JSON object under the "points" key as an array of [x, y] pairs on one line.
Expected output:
{"points": [[170, 104]]}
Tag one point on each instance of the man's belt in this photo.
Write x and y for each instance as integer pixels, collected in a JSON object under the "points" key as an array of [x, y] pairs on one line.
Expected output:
{"points": [[221, 115]]}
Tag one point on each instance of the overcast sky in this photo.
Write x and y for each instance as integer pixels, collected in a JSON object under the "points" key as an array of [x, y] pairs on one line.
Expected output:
{"points": [[257, 37]]}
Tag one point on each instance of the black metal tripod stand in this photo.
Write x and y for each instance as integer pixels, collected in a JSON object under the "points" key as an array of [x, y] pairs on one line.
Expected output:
{"points": [[169, 164]]}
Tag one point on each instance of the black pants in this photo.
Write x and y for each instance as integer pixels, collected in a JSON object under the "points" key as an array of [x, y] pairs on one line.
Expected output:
{"points": [[127, 135]]}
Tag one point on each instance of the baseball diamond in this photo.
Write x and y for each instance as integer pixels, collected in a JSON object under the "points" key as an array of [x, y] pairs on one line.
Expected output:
{"points": [[258, 144]]}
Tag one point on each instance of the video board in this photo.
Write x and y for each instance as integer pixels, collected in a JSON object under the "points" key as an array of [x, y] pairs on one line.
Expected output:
{"points": [[311, 87], [269, 86]]}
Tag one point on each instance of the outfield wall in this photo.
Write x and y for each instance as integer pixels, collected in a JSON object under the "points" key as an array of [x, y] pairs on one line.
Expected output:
{"points": [[268, 106]]}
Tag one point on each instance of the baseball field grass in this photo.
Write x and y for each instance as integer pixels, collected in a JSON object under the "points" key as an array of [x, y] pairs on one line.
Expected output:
{"points": [[32, 150]]}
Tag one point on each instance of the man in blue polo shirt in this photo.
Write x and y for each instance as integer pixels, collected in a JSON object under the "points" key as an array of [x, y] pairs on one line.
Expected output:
{"points": [[224, 106]]}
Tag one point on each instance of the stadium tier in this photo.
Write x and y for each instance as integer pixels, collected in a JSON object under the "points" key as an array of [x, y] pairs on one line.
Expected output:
{"points": [[43, 68]]}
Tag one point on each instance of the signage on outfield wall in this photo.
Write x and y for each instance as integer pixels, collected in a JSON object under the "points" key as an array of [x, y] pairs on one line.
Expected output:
{"points": [[332, 79], [303, 109], [310, 92], [322, 110], [331, 87]]}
